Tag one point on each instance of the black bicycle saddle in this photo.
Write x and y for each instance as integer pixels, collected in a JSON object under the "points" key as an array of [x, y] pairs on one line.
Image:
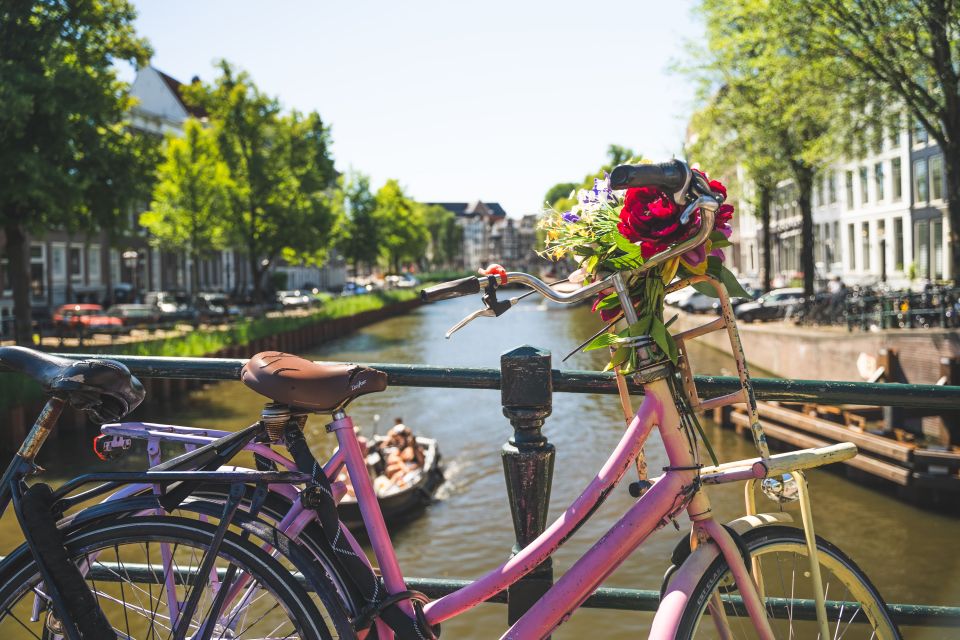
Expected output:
{"points": [[104, 389]]}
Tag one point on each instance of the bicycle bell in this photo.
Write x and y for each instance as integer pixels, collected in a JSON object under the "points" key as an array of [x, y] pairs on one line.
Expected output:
{"points": [[782, 489]]}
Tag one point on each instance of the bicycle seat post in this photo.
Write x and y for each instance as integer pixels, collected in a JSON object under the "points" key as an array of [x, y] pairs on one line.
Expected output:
{"points": [[41, 429]]}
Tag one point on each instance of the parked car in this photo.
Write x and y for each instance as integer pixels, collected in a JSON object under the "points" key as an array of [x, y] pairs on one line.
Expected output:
{"points": [[135, 315], [402, 281], [84, 320], [294, 299], [770, 306], [174, 306], [216, 306], [698, 303]]}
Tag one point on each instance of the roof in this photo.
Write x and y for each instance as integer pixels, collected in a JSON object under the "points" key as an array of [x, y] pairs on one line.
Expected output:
{"points": [[471, 209], [174, 85]]}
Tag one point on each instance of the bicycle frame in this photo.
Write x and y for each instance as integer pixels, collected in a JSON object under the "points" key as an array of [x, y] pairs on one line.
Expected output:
{"points": [[677, 489]]}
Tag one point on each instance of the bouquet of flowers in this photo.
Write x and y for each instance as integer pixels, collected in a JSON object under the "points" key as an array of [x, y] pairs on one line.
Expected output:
{"points": [[608, 231]]}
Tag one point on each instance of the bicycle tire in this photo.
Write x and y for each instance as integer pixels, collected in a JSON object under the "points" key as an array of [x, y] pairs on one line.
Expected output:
{"points": [[129, 551], [772, 545]]}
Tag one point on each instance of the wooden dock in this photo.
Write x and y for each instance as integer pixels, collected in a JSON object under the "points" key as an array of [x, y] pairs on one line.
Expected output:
{"points": [[931, 475]]}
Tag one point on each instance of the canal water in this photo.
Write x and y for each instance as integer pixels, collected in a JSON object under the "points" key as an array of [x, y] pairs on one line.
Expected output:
{"points": [[909, 553]]}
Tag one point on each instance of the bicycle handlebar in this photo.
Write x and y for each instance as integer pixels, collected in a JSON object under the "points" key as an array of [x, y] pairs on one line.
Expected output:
{"points": [[453, 289], [673, 176]]}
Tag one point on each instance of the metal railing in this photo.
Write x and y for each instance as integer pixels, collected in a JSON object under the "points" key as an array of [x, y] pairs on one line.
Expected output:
{"points": [[527, 382]]}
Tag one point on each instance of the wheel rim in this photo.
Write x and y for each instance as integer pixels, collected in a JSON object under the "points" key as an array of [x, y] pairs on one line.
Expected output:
{"points": [[852, 607], [127, 576]]}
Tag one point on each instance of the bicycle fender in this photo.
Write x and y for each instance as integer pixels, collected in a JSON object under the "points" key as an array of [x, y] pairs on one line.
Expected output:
{"points": [[681, 581]]}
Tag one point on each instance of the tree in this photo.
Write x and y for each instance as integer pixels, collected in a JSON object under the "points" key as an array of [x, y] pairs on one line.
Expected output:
{"points": [[759, 56], [281, 168], [446, 235], [66, 160], [404, 236], [191, 197], [731, 133], [907, 49], [559, 195], [360, 240]]}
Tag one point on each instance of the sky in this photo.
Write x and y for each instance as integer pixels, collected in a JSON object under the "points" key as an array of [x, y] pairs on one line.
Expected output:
{"points": [[459, 101]]}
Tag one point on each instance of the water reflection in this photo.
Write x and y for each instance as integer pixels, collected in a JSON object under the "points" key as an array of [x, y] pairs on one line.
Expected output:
{"points": [[468, 531]]}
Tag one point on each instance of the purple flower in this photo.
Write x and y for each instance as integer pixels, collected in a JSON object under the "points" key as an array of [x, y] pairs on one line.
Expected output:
{"points": [[570, 216]]}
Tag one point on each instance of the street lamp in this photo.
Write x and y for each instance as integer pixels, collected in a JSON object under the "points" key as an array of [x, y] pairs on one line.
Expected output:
{"points": [[131, 258]]}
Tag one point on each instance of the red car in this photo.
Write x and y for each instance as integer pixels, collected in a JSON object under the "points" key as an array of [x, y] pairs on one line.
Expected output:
{"points": [[86, 319]]}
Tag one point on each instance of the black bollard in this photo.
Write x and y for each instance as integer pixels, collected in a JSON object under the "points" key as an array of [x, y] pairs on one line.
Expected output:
{"points": [[526, 394]]}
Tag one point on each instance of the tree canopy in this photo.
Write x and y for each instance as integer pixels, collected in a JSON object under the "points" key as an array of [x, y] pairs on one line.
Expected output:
{"points": [[66, 158], [191, 197], [281, 167], [403, 233]]}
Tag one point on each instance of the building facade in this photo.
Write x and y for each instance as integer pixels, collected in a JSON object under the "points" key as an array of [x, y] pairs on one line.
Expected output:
{"points": [[879, 218]]}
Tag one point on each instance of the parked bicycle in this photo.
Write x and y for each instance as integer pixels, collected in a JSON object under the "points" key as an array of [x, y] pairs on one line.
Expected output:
{"points": [[197, 548]]}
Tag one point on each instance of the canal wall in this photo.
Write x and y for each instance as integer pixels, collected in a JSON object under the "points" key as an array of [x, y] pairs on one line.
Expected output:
{"points": [[833, 353], [19, 418]]}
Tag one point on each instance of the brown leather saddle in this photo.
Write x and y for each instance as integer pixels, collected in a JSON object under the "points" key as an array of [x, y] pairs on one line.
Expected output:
{"points": [[302, 384]]}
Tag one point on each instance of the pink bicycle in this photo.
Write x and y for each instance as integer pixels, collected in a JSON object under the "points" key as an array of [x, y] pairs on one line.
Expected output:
{"points": [[758, 576]]}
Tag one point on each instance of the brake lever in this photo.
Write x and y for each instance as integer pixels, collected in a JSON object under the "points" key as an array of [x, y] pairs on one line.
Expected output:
{"points": [[492, 308]]}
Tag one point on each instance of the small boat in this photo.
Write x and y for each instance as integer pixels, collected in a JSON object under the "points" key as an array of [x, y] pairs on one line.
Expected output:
{"points": [[405, 494]]}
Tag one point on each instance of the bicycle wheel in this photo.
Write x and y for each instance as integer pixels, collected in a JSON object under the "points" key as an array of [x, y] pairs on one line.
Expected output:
{"points": [[854, 606], [142, 571]]}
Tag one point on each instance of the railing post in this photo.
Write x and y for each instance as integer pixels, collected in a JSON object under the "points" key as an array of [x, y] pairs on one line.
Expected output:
{"points": [[526, 394]]}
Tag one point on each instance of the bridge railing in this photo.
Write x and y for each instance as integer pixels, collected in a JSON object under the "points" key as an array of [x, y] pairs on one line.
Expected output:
{"points": [[527, 380]]}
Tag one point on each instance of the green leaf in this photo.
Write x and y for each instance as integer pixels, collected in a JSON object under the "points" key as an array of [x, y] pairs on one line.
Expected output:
{"points": [[601, 341], [717, 236], [706, 289], [641, 327], [714, 265], [609, 302], [625, 245], [722, 243], [660, 335], [734, 288], [619, 356]]}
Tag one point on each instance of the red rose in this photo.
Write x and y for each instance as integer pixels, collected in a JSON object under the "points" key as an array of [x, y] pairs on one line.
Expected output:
{"points": [[650, 218]]}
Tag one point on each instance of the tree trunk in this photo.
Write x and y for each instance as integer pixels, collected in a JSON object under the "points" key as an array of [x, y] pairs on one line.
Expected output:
{"points": [[194, 273], [951, 159], [803, 174], [256, 275], [18, 269], [766, 196]]}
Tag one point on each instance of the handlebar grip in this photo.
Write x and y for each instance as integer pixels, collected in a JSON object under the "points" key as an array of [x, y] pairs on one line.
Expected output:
{"points": [[452, 289], [669, 176]]}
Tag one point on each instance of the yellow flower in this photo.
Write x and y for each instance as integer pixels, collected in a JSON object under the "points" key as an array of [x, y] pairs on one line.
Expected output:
{"points": [[552, 235], [670, 269], [558, 253]]}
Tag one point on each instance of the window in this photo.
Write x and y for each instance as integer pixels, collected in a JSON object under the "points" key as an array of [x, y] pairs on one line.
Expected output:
{"points": [[865, 247], [851, 247], [898, 244], [864, 195], [921, 248], [849, 180], [897, 178], [832, 187], [936, 177], [76, 264], [58, 265], [936, 239], [894, 135], [882, 246], [921, 186], [919, 133], [878, 179], [93, 263]]}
